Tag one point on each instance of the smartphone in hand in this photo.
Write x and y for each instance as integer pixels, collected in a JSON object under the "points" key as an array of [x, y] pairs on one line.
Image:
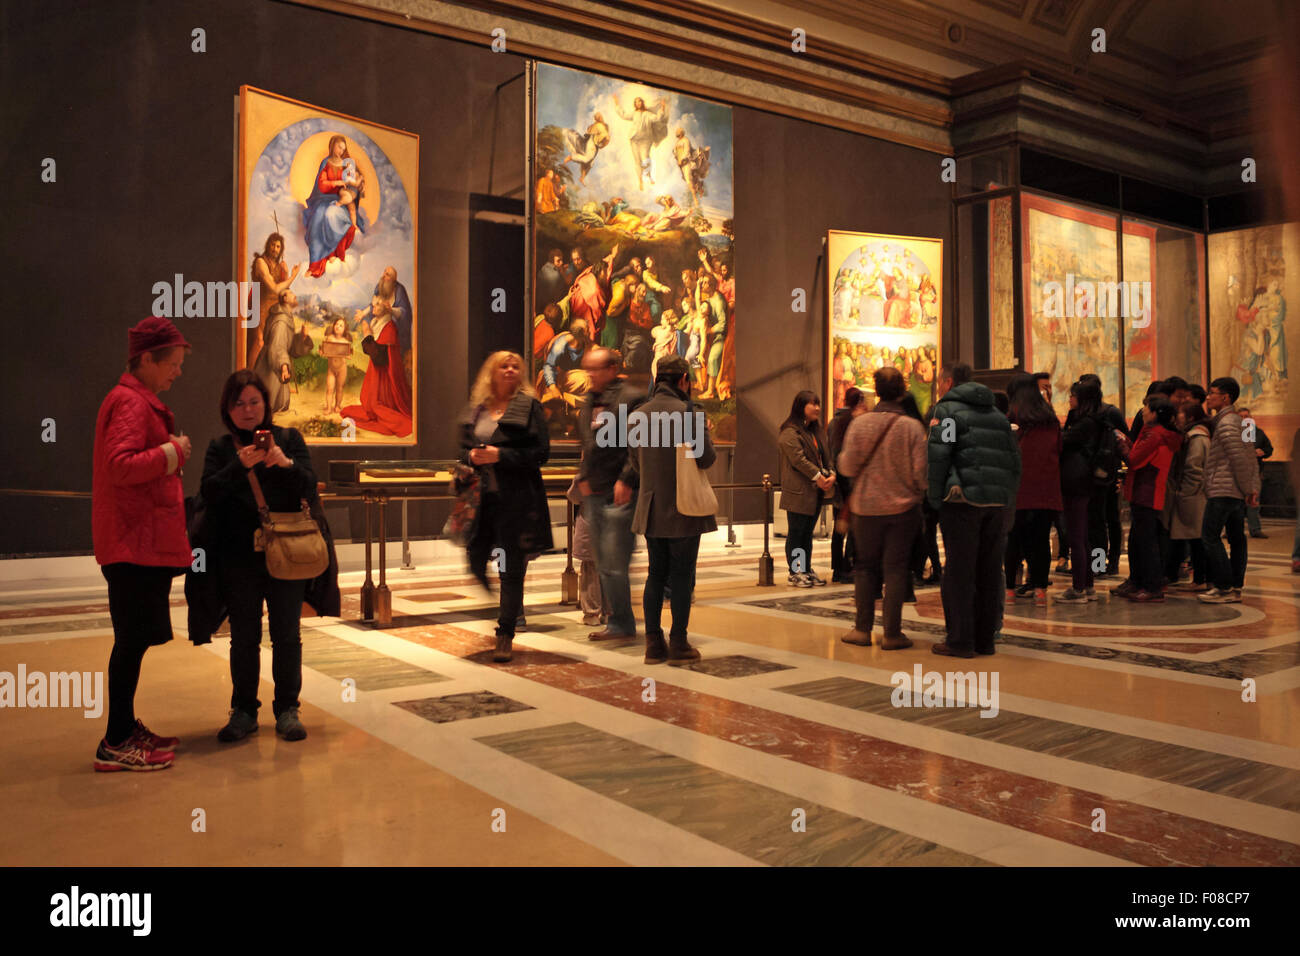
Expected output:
{"points": [[262, 440]]}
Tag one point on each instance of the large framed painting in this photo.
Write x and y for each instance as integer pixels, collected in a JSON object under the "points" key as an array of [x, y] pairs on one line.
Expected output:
{"points": [[327, 239], [885, 307], [1253, 274], [633, 239], [1073, 322]]}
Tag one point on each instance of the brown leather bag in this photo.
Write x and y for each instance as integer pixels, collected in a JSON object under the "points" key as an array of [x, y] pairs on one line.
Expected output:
{"points": [[292, 541]]}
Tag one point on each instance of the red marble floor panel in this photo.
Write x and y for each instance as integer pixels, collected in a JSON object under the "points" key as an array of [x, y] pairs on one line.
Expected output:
{"points": [[1136, 833]]}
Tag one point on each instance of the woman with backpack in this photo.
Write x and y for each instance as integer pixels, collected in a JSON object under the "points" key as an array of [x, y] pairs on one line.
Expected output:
{"points": [[1080, 444]]}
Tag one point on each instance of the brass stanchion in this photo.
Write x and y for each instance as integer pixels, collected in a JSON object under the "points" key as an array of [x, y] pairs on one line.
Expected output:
{"points": [[383, 598], [569, 579], [765, 561], [368, 588]]}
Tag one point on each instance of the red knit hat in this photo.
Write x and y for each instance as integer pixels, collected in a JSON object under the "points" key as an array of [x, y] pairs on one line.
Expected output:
{"points": [[153, 333]]}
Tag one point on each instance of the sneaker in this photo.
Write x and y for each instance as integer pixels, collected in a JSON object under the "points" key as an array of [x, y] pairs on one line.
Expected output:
{"points": [[1023, 593], [1040, 597], [134, 753], [238, 727], [1071, 596], [288, 726], [1215, 596], [860, 638], [799, 581], [1194, 587], [153, 740], [817, 582]]}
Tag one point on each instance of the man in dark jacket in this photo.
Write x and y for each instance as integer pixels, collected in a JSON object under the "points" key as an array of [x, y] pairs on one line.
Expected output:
{"points": [[1104, 528], [974, 471], [606, 500], [1263, 449], [672, 538]]}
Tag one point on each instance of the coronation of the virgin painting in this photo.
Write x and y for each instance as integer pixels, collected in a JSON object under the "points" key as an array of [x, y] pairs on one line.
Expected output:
{"points": [[633, 239], [327, 236]]}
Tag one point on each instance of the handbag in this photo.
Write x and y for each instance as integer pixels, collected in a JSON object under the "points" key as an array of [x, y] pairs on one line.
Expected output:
{"points": [[466, 486], [695, 495], [292, 541]]}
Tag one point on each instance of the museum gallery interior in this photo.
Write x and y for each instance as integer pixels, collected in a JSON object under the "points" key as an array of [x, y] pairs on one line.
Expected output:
{"points": [[1013, 286]]}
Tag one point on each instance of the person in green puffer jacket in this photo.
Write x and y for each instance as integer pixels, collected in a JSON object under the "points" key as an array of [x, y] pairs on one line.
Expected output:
{"points": [[974, 472]]}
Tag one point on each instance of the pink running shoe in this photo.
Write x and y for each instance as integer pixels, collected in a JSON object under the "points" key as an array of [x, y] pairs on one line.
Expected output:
{"points": [[132, 754], [153, 740]]}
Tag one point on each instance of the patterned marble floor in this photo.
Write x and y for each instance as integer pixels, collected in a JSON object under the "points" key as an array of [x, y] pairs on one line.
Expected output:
{"points": [[1107, 735]]}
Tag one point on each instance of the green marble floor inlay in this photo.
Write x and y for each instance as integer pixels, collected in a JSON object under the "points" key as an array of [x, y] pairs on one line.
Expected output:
{"points": [[1237, 777], [335, 657], [742, 816]]}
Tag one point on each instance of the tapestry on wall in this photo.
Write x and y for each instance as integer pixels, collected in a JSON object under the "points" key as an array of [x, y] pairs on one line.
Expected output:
{"points": [[327, 237]]}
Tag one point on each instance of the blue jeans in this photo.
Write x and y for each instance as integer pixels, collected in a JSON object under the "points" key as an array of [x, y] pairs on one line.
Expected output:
{"points": [[672, 561], [1224, 515], [611, 546]]}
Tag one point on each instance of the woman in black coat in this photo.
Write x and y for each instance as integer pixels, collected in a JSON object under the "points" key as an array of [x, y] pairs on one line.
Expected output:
{"points": [[285, 474], [1079, 443], [504, 436]]}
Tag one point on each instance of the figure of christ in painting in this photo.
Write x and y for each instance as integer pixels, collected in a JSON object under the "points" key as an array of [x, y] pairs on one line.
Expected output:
{"points": [[353, 188], [328, 226], [385, 407], [649, 129], [272, 277], [549, 191], [336, 347], [583, 147]]}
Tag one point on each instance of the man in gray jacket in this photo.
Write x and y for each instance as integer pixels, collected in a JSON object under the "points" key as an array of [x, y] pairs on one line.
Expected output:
{"points": [[1231, 484], [672, 538]]}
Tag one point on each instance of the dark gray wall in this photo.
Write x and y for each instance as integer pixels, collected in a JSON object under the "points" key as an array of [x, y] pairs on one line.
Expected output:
{"points": [[142, 130]]}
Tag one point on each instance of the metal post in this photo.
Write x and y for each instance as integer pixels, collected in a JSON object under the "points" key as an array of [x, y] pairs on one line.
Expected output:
{"points": [[569, 579], [765, 562], [731, 499], [407, 565], [383, 599], [368, 588]]}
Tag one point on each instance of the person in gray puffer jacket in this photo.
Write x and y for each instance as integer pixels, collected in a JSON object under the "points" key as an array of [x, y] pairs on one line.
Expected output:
{"points": [[974, 473], [1231, 483]]}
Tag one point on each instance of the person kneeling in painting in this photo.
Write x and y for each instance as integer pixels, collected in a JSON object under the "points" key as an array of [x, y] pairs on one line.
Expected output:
{"points": [[385, 407], [236, 576]]}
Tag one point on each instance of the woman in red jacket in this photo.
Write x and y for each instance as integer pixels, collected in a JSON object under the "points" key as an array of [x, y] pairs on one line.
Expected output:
{"points": [[1148, 472], [138, 520], [1038, 502]]}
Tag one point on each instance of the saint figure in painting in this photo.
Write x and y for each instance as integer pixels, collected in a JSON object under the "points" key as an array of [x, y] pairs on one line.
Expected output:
{"points": [[329, 226], [385, 407], [272, 277]]}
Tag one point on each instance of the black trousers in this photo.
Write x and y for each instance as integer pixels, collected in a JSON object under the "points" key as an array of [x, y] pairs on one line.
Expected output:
{"points": [[799, 537], [1145, 567], [842, 546], [139, 604], [246, 586], [972, 574], [883, 560], [927, 542], [672, 562], [1031, 541], [1076, 525], [511, 565]]}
